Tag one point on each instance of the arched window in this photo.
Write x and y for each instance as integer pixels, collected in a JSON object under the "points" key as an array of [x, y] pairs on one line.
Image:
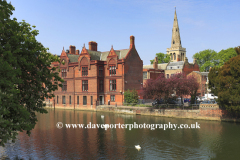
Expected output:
{"points": [[174, 56], [171, 56]]}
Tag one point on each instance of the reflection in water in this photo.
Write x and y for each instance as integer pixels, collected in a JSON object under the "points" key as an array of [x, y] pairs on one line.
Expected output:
{"points": [[214, 140]]}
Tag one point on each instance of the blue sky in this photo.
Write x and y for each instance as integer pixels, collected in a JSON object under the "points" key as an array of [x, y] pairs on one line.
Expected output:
{"points": [[203, 24]]}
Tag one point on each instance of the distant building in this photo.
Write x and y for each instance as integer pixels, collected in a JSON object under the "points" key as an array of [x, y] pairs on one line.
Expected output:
{"points": [[153, 71], [95, 78], [180, 67], [202, 79]]}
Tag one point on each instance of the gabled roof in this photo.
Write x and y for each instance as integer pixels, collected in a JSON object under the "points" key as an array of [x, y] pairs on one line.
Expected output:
{"points": [[202, 73], [73, 57], [160, 66], [175, 65], [97, 55]]}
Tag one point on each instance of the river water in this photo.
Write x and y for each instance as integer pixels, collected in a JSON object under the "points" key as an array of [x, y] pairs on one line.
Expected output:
{"points": [[213, 140]]}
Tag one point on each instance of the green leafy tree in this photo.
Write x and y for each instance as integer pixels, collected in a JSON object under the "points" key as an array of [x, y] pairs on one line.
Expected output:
{"points": [[225, 55], [131, 96], [224, 82], [26, 76], [162, 58], [206, 59]]}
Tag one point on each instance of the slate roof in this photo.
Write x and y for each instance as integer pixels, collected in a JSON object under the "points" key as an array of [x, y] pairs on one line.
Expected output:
{"points": [[72, 57], [97, 55], [202, 73], [160, 66], [175, 65]]}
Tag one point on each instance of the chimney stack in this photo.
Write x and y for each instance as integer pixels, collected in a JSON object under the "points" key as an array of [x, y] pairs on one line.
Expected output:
{"points": [[155, 63], [132, 41], [92, 46], [72, 49], [77, 52]]}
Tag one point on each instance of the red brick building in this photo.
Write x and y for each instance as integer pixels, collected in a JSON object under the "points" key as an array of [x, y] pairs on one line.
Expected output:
{"points": [[94, 78], [202, 79]]}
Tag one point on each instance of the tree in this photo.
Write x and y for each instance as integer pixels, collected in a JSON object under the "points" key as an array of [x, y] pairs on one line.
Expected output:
{"points": [[26, 76], [131, 96], [225, 83], [225, 55], [162, 58], [164, 88], [206, 59]]}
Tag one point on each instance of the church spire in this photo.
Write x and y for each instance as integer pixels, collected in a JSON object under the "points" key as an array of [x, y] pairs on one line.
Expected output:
{"points": [[176, 52], [176, 40]]}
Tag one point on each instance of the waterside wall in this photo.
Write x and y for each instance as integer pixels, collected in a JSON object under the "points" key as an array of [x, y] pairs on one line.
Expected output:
{"points": [[205, 112]]}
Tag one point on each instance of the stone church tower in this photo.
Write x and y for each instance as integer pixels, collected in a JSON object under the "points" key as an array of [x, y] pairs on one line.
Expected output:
{"points": [[177, 52]]}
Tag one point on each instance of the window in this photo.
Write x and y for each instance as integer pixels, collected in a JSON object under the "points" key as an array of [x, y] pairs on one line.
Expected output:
{"points": [[101, 85], [77, 100], [57, 99], [167, 75], [64, 86], [91, 100], [170, 67], [144, 75], [172, 75], [84, 100], [112, 85], [112, 98], [174, 56], [84, 71], [64, 72], [112, 70], [70, 100], [63, 100], [100, 71], [85, 85], [173, 42]]}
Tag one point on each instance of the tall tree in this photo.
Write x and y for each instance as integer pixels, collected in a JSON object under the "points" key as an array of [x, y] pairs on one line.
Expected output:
{"points": [[224, 82], [26, 76], [162, 58], [206, 59], [224, 55]]}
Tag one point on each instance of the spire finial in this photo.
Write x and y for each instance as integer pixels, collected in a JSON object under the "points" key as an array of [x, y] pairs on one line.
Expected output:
{"points": [[63, 47], [84, 45], [175, 8]]}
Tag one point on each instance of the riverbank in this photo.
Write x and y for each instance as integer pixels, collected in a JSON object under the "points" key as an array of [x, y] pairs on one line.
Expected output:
{"points": [[205, 112]]}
